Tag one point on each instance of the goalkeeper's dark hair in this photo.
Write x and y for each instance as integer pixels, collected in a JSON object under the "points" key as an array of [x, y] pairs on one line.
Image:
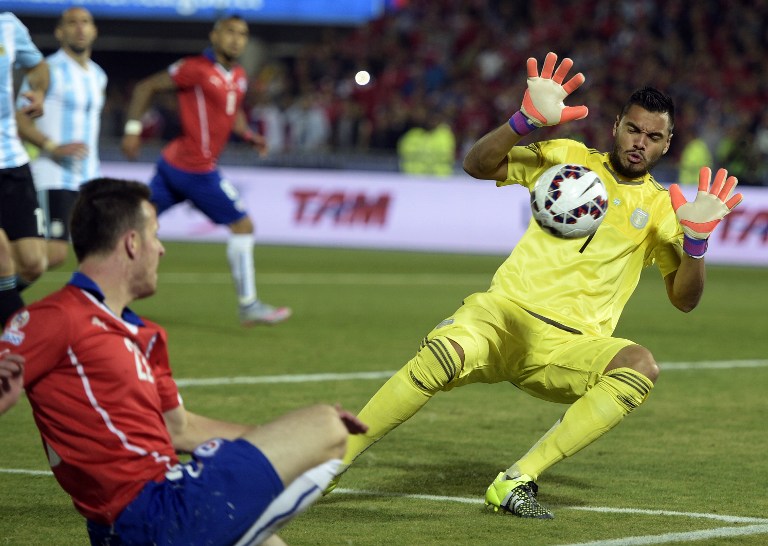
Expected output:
{"points": [[105, 209], [653, 100]]}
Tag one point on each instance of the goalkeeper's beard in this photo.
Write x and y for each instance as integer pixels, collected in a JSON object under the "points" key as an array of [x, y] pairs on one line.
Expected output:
{"points": [[627, 169]]}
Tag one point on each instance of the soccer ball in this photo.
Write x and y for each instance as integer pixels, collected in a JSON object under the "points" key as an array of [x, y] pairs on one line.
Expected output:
{"points": [[569, 201]]}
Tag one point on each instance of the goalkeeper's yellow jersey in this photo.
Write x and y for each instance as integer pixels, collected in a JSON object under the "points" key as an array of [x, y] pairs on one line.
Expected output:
{"points": [[583, 283]]}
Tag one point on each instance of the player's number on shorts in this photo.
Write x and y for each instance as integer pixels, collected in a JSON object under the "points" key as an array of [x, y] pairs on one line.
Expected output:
{"points": [[40, 219], [142, 366], [176, 472]]}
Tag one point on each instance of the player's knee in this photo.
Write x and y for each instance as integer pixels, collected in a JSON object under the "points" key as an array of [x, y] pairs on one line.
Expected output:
{"points": [[437, 363], [242, 226], [30, 268], [334, 431], [637, 358]]}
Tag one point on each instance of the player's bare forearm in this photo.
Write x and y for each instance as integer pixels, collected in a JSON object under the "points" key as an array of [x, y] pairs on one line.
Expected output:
{"points": [[686, 286], [28, 130], [487, 159], [145, 90], [188, 430], [39, 77]]}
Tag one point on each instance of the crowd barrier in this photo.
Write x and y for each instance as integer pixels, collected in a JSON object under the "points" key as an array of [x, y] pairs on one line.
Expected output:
{"points": [[361, 209]]}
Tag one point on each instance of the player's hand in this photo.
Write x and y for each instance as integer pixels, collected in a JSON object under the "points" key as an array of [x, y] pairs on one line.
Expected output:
{"points": [[353, 424], [257, 141], [130, 146], [543, 100], [33, 103], [11, 379], [700, 217], [77, 150]]}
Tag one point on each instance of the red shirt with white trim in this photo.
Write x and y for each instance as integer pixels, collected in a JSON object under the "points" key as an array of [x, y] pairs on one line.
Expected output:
{"points": [[209, 96], [98, 385]]}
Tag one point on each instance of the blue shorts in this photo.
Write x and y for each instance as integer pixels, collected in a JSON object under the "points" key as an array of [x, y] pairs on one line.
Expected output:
{"points": [[211, 194], [214, 499]]}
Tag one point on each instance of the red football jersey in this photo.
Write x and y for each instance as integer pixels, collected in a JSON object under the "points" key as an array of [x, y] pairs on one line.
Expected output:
{"points": [[209, 97], [98, 386]]}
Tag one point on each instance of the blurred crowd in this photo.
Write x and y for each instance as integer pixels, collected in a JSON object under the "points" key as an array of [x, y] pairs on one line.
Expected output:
{"points": [[461, 63]]}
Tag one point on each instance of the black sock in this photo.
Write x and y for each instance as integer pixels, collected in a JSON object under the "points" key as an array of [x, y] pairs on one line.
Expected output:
{"points": [[10, 299]]}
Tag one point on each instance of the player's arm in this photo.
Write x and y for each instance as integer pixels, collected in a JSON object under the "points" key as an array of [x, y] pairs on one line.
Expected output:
{"points": [[241, 129], [38, 78], [542, 106], [698, 219], [142, 96], [29, 131], [686, 285], [188, 430]]}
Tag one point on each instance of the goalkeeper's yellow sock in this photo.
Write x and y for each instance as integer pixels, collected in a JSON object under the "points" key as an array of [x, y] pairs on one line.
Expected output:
{"points": [[405, 393], [617, 393], [394, 403]]}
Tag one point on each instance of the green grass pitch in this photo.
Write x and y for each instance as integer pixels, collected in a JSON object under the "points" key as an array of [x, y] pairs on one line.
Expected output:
{"points": [[690, 457]]}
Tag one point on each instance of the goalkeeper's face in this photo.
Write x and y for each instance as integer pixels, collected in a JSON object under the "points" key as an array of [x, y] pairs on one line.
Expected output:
{"points": [[640, 139]]}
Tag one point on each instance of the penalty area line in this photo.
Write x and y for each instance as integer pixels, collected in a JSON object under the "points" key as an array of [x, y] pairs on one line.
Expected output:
{"points": [[307, 378]]}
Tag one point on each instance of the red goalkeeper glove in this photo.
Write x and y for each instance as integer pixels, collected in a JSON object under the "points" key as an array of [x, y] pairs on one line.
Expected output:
{"points": [[700, 217], [543, 100]]}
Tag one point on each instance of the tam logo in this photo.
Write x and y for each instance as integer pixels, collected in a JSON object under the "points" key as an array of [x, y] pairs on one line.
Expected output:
{"points": [[341, 208], [744, 223]]}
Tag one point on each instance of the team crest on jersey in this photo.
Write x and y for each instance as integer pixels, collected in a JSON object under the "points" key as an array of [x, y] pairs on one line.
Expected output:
{"points": [[209, 448], [639, 218], [13, 333]]}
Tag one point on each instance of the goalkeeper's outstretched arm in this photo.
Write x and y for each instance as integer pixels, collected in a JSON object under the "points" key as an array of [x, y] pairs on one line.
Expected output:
{"points": [[542, 106], [698, 219]]}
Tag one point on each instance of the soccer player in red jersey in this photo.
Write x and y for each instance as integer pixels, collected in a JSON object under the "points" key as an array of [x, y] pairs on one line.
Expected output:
{"points": [[210, 90], [110, 416]]}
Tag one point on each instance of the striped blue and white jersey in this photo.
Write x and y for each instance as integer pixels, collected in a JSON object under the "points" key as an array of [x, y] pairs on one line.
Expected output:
{"points": [[16, 51], [73, 106]]}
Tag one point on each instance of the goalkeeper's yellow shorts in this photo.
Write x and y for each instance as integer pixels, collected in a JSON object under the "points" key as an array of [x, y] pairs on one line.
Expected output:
{"points": [[504, 342]]}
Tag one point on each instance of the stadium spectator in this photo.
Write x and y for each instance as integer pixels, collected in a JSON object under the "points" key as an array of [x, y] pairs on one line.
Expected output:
{"points": [[100, 385], [68, 132], [22, 246], [554, 340], [210, 90]]}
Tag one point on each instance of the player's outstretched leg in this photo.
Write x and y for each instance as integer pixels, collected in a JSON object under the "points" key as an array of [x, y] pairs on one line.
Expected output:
{"points": [[604, 406]]}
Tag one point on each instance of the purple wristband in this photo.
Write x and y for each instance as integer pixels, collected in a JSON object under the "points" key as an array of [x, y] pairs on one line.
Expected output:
{"points": [[521, 124], [695, 248]]}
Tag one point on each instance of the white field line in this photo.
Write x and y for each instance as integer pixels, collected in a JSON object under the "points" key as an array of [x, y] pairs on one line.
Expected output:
{"points": [[365, 279], [683, 536], [302, 378]]}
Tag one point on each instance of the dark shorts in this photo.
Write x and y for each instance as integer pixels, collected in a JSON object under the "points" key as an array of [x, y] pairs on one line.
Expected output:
{"points": [[211, 194], [20, 214], [214, 499], [57, 206]]}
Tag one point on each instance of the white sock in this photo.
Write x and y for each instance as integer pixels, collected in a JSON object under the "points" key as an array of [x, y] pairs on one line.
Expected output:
{"points": [[241, 264], [294, 500]]}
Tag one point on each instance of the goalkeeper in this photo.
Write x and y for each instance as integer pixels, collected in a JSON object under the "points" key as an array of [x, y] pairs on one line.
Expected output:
{"points": [[554, 340]]}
